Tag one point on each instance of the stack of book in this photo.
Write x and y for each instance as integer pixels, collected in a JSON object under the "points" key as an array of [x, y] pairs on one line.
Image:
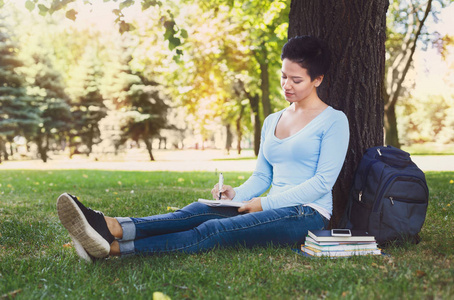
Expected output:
{"points": [[323, 243]]}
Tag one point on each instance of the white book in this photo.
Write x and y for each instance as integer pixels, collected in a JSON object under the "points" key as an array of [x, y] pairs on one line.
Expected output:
{"points": [[355, 247], [328, 244], [315, 252], [221, 203]]}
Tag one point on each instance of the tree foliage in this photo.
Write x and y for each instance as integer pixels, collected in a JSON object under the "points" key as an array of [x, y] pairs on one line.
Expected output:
{"points": [[47, 89], [87, 103], [142, 102], [18, 115]]}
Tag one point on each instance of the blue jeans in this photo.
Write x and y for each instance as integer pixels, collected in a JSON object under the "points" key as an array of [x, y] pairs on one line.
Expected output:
{"points": [[198, 227]]}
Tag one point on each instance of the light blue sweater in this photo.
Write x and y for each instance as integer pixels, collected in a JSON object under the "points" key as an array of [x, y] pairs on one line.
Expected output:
{"points": [[302, 168]]}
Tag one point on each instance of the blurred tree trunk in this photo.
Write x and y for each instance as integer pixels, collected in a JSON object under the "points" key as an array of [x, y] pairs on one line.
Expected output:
{"points": [[264, 80], [239, 130], [228, 138], [254, 101], [390, 120], [42, 149], [355, 32], [149, 146]]}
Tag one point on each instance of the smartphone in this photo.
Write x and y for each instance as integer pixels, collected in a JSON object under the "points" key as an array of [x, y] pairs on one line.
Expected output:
{"points": [[341, 232]]}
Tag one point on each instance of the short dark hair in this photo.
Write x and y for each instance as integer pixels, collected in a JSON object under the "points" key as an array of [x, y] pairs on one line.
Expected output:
{"points": [[310, 53]]}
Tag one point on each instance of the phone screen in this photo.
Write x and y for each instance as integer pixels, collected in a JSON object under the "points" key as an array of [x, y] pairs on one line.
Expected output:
{"points": [[345, 232]]}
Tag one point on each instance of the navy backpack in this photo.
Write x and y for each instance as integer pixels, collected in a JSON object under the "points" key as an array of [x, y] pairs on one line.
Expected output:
{"points": [[388, 198]]}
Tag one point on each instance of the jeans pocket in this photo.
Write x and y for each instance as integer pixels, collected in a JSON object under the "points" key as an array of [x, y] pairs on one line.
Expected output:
{"points": [[299, 209]]}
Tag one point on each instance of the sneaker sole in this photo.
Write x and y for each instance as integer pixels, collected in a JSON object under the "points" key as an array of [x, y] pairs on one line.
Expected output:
{"points": [[78, 227], [80, 250]]}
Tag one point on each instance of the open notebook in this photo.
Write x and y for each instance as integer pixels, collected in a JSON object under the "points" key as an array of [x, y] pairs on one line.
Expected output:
{"points": [[221, 203]]}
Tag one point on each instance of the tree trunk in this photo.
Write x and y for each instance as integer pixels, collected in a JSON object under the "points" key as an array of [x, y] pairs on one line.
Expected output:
{"points": [[254, 101], [355, 32], [390, 123], [11, 148], [42, 151], [228, 138], [265, 82], [91, 134], [239, 131], [149, 148], [2, 149]]}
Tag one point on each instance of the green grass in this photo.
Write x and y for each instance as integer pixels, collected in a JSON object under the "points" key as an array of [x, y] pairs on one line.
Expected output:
{"points": [[35, 263], [430, 149]]}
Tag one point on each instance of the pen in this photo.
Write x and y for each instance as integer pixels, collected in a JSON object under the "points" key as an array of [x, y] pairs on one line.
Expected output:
{"points": [[221, 183]]}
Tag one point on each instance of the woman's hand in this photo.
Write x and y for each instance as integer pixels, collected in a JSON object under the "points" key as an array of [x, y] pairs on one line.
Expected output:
{"points": [[227, 192], [253, 205]]}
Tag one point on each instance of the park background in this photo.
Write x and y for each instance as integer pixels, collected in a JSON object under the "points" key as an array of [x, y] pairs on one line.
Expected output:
{"points": [[107, 85], [95, 80]]}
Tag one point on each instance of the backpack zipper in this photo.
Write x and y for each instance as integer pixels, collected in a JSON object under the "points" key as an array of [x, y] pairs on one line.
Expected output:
{"points": [[385, 186], [392, 199]]}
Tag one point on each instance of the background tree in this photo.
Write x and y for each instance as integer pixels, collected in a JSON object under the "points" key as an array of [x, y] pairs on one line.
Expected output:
{"points": [[46, 87], [147, 112], [87, 103], [406, 27], [355, 32], [141, 101], [18, 115]]}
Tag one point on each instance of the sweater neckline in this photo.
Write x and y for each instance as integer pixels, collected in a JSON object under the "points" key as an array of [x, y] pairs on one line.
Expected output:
{"points": [[299, 131]]}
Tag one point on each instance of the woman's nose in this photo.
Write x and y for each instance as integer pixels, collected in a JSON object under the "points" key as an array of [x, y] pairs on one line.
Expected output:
{"points": [[286, 84]]}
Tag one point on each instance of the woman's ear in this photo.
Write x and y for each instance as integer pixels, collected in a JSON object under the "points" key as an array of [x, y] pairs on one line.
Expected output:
{"points": [[319, 80]]}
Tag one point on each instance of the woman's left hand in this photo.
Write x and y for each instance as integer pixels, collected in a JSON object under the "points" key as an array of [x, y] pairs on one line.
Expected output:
{"points": [[253, 205]]}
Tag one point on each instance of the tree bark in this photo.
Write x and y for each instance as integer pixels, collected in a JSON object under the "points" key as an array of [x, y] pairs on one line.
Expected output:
{"points": [[228, 138], [239, 130], [42, 149], [390, 121], [355, 32], [254, 101], [149, 146], [265, 82]]}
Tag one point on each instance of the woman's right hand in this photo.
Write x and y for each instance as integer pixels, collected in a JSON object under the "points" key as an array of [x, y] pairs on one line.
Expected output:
{"points": [[227, 192]]}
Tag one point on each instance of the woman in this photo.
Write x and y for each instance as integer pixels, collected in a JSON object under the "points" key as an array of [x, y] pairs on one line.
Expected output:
{"points": [[301, 153]]}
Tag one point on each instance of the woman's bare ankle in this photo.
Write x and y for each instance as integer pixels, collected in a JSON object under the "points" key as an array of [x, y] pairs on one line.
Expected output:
{"points": [[114, 249], [114, 227]]}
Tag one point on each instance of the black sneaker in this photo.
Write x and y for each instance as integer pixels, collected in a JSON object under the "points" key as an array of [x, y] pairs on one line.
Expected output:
{"points": [[85, 225]]}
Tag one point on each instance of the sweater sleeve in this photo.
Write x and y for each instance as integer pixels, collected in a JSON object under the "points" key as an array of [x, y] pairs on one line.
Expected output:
{"points": [[333, 149], [262, 177]]}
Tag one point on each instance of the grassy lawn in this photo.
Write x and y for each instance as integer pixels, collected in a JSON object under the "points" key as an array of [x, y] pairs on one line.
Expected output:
{"points": [[37, 261], [430, 149]]}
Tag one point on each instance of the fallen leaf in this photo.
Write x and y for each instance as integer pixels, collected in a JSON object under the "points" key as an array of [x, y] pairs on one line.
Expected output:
{"points": [[160, 296], [67, 245], [420, 273]]}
